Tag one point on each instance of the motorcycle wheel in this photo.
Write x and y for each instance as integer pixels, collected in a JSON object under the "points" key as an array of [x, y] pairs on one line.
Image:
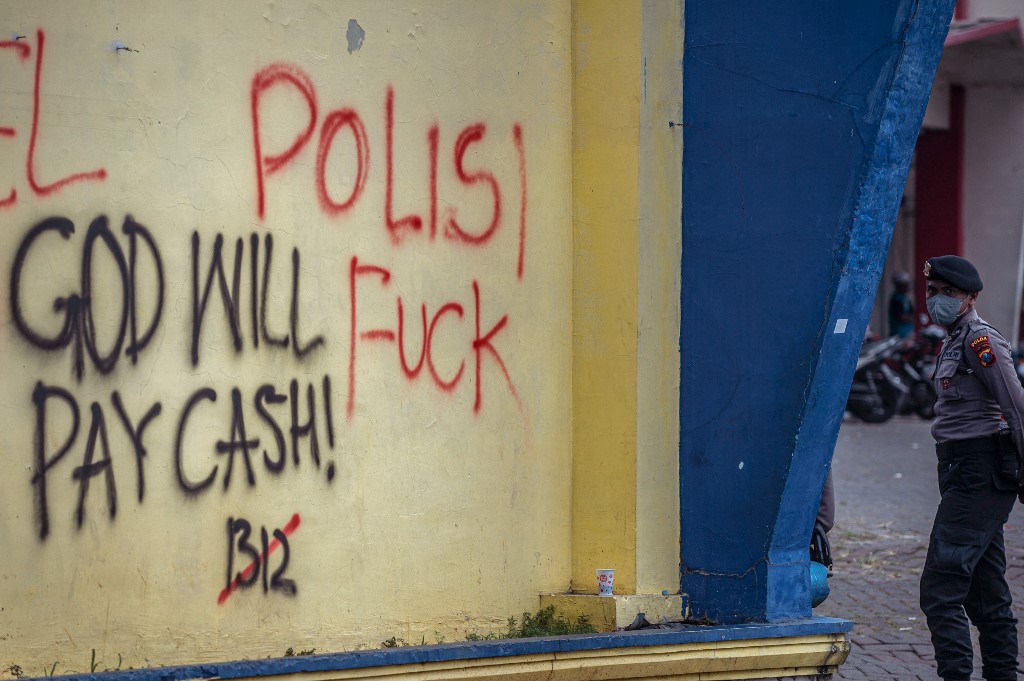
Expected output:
{"points": [[878, 412], [924, 401]]}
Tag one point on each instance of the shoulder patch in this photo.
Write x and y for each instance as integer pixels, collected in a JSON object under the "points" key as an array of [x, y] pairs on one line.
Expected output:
{"points": [[983, 349]]}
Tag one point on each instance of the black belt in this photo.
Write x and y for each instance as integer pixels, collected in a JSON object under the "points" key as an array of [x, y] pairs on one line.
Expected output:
{"points": [[957, 449]]}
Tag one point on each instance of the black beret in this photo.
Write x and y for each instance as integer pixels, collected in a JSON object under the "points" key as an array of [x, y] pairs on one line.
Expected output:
{"points": [[956, 270]]}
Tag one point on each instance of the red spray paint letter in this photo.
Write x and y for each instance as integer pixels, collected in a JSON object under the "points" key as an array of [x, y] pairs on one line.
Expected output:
{"points": [[264, 80], [411, 372], [434, 137], [354, 270], [412, 222], [447, 386], [45, 189], [517, 135], [334, 122], [484, 343], [453, 230], [23, 51]]}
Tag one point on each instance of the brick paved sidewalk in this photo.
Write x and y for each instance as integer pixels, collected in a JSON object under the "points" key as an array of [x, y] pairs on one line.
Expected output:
{"points": [[886, 494]]}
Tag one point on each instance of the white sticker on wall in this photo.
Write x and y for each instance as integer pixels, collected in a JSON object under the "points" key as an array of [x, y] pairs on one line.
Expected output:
{"points": [[840, 326]]}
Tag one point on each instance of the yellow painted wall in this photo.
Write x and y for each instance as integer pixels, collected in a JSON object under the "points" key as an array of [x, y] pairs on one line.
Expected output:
{"points": [[432, 508], [627, 179], [606, 118], [658, 288]]}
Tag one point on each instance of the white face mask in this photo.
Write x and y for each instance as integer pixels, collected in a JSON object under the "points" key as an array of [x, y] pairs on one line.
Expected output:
{"points": [[944, 310]]}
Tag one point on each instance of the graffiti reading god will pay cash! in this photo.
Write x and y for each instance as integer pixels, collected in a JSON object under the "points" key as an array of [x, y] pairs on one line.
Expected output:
{"points": [[242, 295]]}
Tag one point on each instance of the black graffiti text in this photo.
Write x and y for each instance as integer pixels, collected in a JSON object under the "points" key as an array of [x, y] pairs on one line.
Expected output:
{"points": [[277, 429], [255, 560], [77, 325], [260, 284], [242, 445], [97, 459]]}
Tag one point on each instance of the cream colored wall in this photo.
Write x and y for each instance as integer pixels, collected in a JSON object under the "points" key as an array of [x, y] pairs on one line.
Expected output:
{"points": [[658, 291], [994, 9], [993, 204], [441, 499], [627, 203], [992, 210]]}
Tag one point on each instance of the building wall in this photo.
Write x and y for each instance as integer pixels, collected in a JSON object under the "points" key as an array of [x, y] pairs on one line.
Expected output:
{"points": [[658, 286], [605, 199], [437, 496], [993, 201], [627, 167], [993, 210], [990, 224], [977, 9], [284, 268]]}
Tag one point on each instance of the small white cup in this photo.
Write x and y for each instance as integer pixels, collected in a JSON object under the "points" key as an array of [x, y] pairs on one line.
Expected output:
{"points": [[605, 582]]}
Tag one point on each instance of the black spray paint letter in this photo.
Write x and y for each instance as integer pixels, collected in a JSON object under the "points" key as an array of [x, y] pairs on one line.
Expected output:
{"points": [[78, 325]]}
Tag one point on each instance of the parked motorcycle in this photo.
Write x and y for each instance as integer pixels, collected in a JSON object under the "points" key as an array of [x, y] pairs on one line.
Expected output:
{"points": [[894, 376], [878, 389], [916, 363]]}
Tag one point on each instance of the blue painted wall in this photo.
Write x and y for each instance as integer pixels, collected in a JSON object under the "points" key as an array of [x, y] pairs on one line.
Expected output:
{"points": [[800, 119]]}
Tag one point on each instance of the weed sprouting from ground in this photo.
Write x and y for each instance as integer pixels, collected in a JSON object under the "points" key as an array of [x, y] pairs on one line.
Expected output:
{"points": [[546, 622], [395, 642], [18, 672]]}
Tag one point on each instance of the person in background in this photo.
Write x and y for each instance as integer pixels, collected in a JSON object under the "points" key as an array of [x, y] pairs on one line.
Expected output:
{"points": [[901, 307], [979, 418]]}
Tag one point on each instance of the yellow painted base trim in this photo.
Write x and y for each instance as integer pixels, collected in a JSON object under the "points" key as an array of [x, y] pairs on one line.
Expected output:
{"points": [[608, 613], [775, 658]]}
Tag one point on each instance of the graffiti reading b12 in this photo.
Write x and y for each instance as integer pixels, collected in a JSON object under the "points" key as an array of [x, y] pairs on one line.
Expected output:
{"points": [[260, 559]]}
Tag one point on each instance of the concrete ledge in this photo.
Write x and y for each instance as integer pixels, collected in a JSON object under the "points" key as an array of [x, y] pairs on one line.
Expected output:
{"points": [[608, 613], [811, 648]]}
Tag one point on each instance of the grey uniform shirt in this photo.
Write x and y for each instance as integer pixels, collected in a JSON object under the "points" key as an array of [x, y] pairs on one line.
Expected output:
{"points": [[976, 384]]}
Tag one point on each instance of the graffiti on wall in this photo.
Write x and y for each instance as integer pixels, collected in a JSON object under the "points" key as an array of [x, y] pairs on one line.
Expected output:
{"points": [[20, 48], [452, 343]]}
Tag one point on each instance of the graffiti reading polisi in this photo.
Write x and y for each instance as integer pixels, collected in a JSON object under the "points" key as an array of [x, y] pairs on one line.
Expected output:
{"points": [[291, 79]]}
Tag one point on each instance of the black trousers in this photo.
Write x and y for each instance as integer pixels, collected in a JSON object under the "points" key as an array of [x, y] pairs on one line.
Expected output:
{"points": [[965, 571]]}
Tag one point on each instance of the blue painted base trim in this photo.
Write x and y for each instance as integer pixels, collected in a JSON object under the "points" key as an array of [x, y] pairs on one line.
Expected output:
{"points": [[474, 650]]}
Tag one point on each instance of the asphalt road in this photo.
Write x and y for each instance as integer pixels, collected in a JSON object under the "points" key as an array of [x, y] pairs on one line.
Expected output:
{"points": [[886, 494]]}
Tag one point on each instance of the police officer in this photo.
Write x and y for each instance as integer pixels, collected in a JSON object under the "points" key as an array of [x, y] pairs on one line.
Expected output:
{"points": [[978, 464]]}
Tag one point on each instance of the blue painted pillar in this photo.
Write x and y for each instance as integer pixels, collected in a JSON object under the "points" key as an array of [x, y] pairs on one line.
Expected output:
{"points": [[799, 120]]}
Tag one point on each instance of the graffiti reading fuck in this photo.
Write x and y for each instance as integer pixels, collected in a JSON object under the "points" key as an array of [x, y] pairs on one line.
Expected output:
{"points": [[127, 286]]}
